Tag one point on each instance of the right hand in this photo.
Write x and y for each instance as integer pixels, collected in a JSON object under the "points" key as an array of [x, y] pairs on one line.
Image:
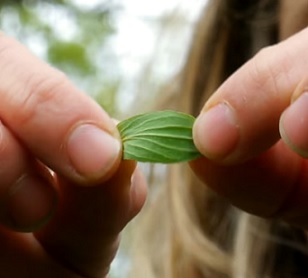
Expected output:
{"points": [[247, 160]]}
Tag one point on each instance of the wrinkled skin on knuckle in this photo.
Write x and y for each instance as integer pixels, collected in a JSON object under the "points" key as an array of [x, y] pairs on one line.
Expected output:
{"points": [[37, 94], [264, 74]]}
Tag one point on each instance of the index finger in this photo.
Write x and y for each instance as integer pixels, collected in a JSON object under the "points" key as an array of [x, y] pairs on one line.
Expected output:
{"points": [[58, 123], [242, 118]]}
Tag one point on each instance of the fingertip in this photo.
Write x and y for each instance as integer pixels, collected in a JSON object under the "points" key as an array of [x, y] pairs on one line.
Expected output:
{"points": [[93, 152], [138, 192], [293, 125], [29, 204], [216, 132]]}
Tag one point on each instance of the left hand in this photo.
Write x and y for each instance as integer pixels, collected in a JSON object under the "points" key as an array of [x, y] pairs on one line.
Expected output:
{"points": [[74, 213], [247, 160]]}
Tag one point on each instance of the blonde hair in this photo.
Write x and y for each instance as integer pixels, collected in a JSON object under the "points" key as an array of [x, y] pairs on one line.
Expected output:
{"points": [[186, 230]]}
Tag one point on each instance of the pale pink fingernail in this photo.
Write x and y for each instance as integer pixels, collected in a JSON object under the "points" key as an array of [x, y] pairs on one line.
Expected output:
{"points": [[92, 151], [294, 125], [216, 132]]}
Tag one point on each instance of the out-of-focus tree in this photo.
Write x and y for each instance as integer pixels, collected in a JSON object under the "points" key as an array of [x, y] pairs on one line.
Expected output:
{"points": [[72, 38]]}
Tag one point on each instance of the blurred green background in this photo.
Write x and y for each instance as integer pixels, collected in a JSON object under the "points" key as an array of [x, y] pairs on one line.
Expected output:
{"points": [[120, 52], [71, 37]]}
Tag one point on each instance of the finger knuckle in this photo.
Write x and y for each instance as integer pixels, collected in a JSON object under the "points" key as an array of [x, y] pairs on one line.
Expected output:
{"points": [[268, 72], [38, 93]]}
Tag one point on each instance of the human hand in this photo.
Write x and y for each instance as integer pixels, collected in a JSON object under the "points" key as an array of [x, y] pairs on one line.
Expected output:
{"points": [[78, 209], [253, 132]]}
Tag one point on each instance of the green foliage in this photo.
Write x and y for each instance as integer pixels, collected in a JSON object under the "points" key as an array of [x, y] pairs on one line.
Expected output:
{"points": [[158, 137], [70, 56], [81, 53]]}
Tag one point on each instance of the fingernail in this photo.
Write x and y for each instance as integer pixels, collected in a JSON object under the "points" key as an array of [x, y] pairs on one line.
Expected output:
{"points": [[29, 204], [216, 132], [293, 125], [92, 151]]}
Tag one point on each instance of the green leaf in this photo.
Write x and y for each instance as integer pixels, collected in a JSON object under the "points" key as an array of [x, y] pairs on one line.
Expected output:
{"points": [[158, 137]]}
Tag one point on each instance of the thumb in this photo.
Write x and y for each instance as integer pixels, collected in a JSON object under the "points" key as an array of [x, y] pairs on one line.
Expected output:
{"points": [[242, 118], [59, 124]]}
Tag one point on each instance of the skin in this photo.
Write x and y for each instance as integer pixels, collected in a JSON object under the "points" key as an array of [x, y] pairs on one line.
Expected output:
{"points": [[253, 130], [63, 185], [65, 194]]}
